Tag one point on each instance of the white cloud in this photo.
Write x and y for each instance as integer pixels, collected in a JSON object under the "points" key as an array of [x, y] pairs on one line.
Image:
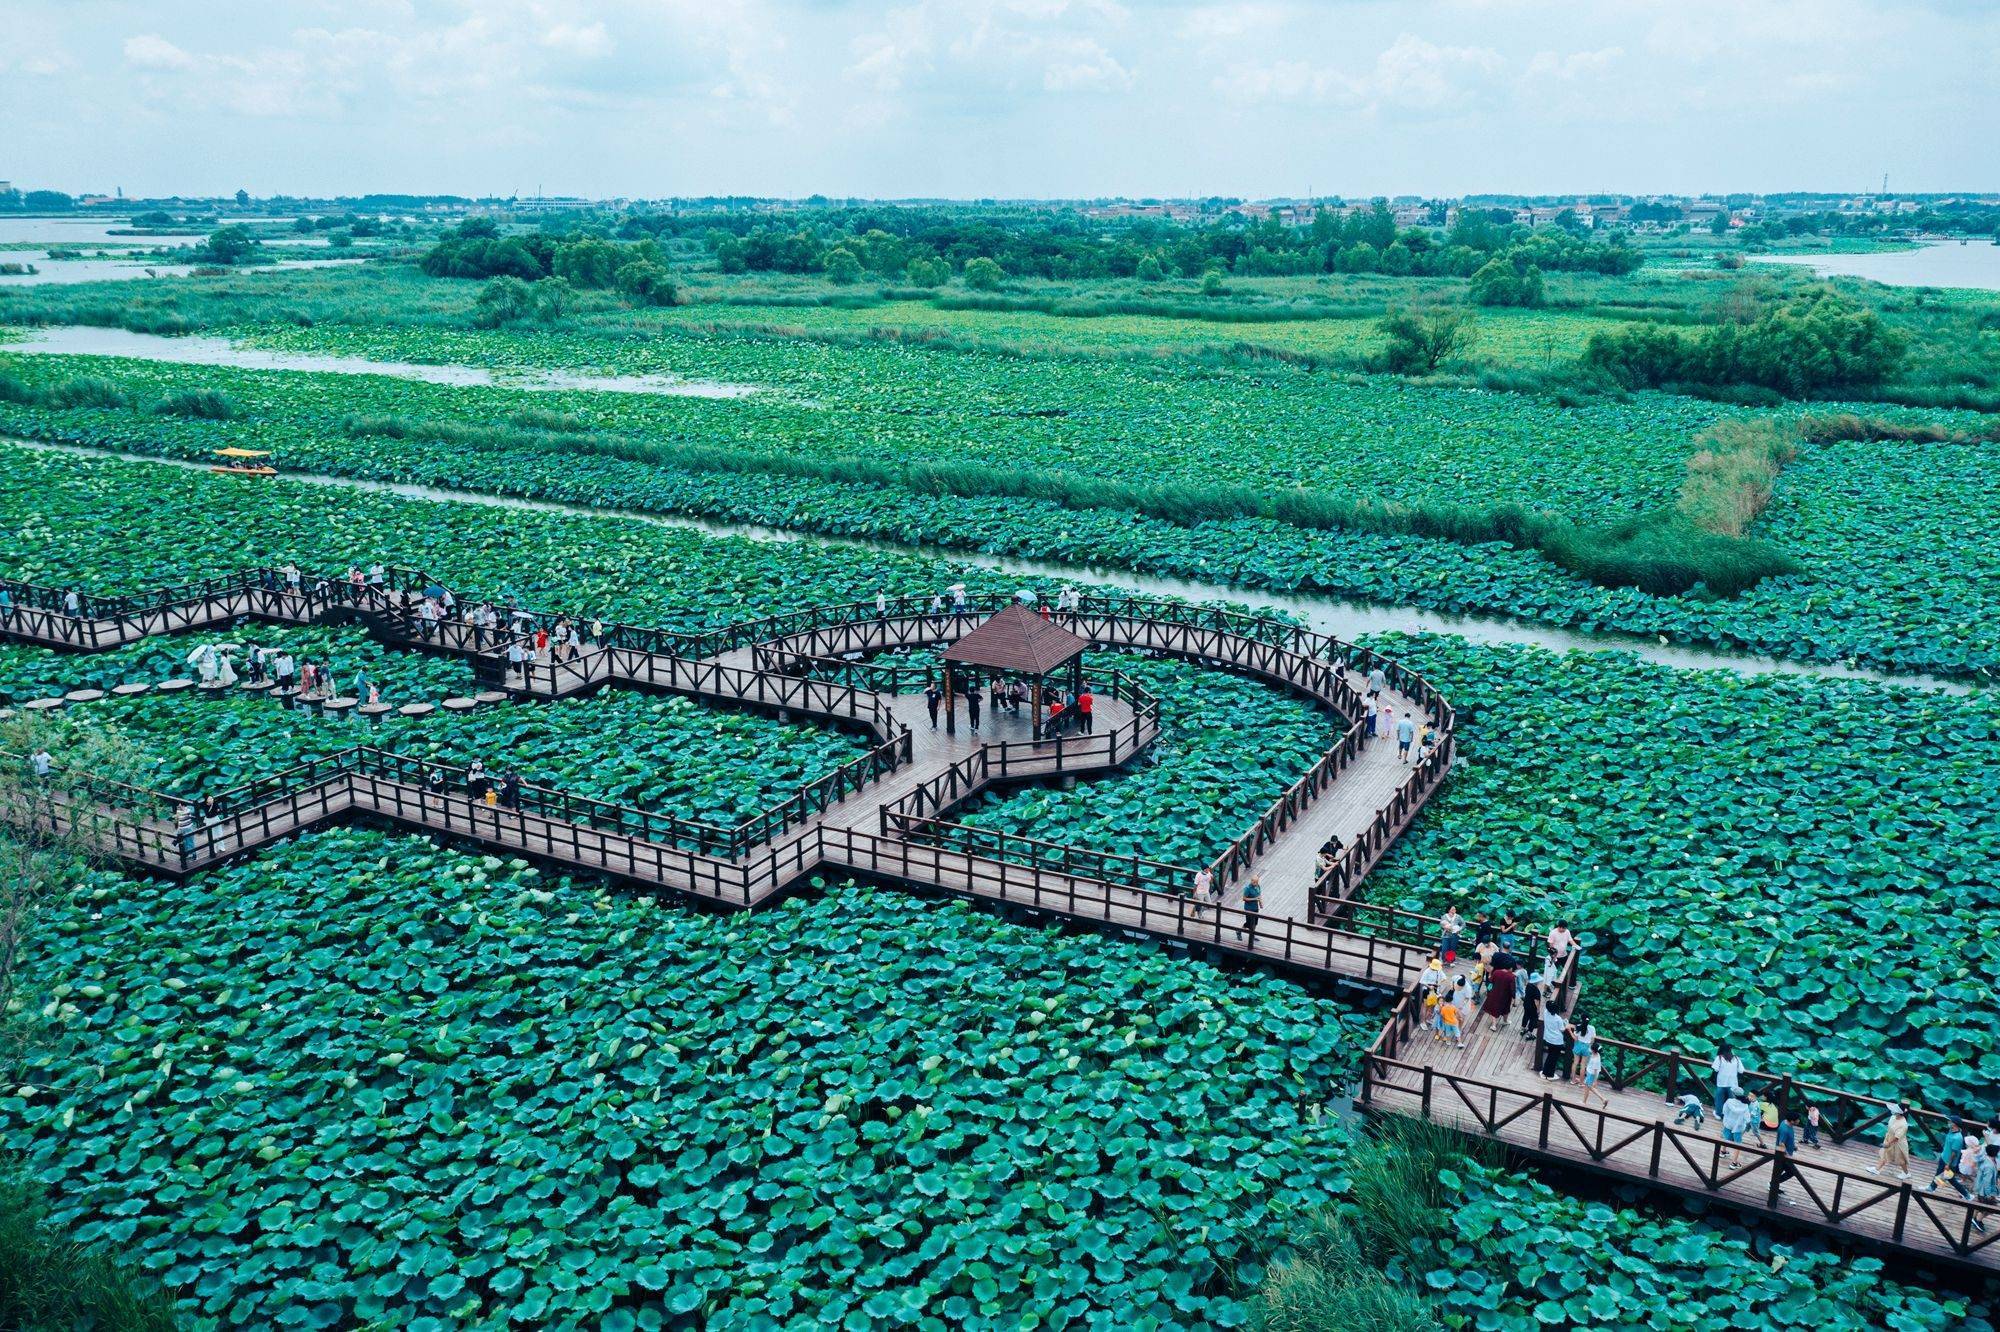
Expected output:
{"points": [[1058, 45], [1575, 65], [999, 96], [1409, 75], [151, 51], [588, 41]]}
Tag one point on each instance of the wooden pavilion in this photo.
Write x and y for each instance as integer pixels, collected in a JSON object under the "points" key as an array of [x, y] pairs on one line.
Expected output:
{"points": [[1016, 642]]}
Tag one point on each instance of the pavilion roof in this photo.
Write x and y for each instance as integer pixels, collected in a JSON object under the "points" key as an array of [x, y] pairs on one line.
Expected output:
{"points": [[1017, 639]]}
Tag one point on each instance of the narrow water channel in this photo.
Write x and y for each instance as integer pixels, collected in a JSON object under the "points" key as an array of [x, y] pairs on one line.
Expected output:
{"points": [[1328, 615]]}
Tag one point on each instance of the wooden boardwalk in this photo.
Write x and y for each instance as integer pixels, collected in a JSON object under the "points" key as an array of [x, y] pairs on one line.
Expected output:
{"points": [[889, 816]]}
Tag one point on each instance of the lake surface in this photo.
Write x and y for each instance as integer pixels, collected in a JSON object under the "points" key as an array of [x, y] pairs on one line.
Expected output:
{"points": [[79, 340], [61, 272], [91, 231], [1973, 265]]}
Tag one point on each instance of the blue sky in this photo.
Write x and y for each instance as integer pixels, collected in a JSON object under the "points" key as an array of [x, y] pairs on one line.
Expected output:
{"points": [[1011, 98]]}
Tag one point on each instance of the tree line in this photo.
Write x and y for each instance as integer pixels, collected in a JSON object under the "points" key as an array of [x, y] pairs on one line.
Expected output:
{"points": [[925, 247]]}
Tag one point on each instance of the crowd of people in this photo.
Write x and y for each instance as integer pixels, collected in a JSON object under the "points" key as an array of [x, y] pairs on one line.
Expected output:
{"points": [[1459, 987], [1383, 722], [1063, 710]]}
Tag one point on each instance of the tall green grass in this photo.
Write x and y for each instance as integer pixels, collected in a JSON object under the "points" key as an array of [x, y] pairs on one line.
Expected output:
{"points": [[1731, 475], [1333, 1271], [1201, 309], [49, 1283], [1848, 426], [1660, 553]]}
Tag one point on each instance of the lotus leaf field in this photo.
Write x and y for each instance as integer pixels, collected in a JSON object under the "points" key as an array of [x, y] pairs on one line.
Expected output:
{"points": [[669, 756], [1801, 868], [1894, 578], [402, 677], [393, 1081], [362, 1078]]}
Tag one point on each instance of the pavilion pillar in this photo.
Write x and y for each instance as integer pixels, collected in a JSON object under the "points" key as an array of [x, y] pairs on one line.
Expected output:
{"points": [[950, 713], [1036, 722]]}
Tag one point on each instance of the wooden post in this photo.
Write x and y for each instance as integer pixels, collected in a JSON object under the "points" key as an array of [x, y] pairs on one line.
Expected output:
{"points": [[950, 717]]}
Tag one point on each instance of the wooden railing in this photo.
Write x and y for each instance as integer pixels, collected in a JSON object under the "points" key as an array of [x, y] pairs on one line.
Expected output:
{"points": [[1017, 759], [1361, 958], [1900, 1212]]}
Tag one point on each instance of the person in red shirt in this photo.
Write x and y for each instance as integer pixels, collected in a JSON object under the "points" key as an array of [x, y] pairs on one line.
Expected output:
{"points": [[1083, 710]]}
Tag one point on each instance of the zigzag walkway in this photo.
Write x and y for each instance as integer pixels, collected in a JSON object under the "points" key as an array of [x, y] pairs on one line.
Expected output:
{"points": [[850, 820], [888, 816]]}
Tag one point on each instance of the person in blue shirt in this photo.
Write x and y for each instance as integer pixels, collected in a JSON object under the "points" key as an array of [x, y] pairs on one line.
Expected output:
{"points": [[1948, 1154], [1406, 731]]}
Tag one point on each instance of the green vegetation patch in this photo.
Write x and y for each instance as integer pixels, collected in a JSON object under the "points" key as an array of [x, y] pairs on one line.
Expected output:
{"points": [[392, 1081], [669, 755]]}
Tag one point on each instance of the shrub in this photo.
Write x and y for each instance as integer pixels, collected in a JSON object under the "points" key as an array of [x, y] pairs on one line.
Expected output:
{"points": [[1504, 281], [202, 404], [982, 274], [86, 391], [1817, 344], [503, 301], [1420, 343]]}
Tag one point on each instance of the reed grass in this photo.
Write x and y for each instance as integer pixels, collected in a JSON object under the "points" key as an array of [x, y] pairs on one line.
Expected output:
{"points": [[50, 1283], [1660, 553]]}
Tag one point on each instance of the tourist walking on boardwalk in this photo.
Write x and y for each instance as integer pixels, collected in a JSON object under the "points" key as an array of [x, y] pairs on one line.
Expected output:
{"points": [[932, 697], [1253, 903], [1986, 1179], [1531, 1007], [1203, 880], [1593, 1069], [1583, 1039], [1378, 681], [1555, 1032], [1560, 941], [1728, 1070], [1406, 731], [1448, 1029], [184, 829], [1084, 704], [1499, 998], [1965, 1173], [510, 790], [517, 660], [1385, 721], [972, 710], [72, 604], [1895, 1152], [881, 604], [1947, 1155], [1736, 1120], [1768, 1117], [1450, 927]]}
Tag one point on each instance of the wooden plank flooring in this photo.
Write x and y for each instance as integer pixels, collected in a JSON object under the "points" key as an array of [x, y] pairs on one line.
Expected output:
{"points": [[1634, 1135]]}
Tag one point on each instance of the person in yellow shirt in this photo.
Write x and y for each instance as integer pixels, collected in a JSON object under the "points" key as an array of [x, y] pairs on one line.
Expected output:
{"points": [[1448, 1023]]}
